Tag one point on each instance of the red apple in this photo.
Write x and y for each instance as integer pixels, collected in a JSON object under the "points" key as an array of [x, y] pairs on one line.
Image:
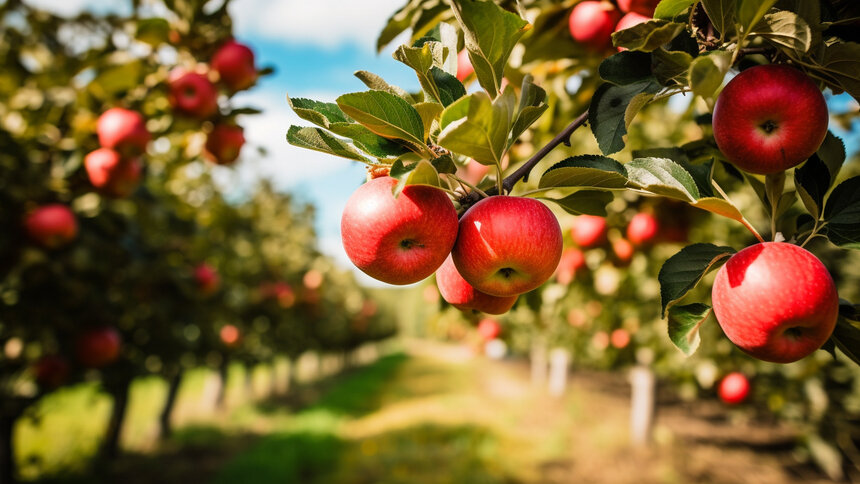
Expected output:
{"points": [[623, 250], [98, 347], [507, 245], [619, 338], [207, 278], [284, 294], [769, 119], [643, 7], [193, 94], [775, 301], [112, 175], [52, 226], [588, 231], [230, 335], [734, 388], [464, 65], [460, 294], [224, 143], [123, 130], [51, 371], [591, 23], [235, 64], [572, 261], [630, 20], [398, 240], [489, 329], [642, 229]]}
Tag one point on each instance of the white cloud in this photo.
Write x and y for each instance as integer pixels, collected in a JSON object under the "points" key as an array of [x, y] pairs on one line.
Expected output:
{"points": [[69, 8], [328, 23]]}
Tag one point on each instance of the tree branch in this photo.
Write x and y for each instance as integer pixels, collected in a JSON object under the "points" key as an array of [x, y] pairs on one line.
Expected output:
{"points": [[524, 171]]}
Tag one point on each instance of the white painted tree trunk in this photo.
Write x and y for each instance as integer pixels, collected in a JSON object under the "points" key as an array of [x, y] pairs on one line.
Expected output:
{"points": [[559, 361], [641, 404], [539, 361]]}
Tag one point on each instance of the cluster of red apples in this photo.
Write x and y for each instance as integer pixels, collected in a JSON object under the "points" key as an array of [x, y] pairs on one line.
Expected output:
{"points": [[592, 22]]}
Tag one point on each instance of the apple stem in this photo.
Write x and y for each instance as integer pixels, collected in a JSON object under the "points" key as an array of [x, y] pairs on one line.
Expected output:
{"points": [[522, 173], [473, 187]]}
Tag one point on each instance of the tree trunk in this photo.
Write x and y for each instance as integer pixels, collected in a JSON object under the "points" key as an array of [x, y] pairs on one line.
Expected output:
{"points": [[120, 393], [7, 453], [641, 405], [538, 360], [559, 359], [173, 384], [221, 400], [292, 373]]}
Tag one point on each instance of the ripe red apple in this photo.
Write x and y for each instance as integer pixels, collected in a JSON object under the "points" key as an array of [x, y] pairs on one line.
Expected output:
{"points": [[112, 175], [207, 278], [489, 329], [588, 231], [643, 7], [51, 371], [623, 250], [572, 261], [619, 338], [769, 119], [642, 229], [235, 64], [591, 23], [734, 388], [52, 226], [193, 94], [775, 301], [464, 65], [224, 143], [398, 240], [123, 130], [230, 335], [460, 294], [98, 347], [630, 20], [507, 245]]}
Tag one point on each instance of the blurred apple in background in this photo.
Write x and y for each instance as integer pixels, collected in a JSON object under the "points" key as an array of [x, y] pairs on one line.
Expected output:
{"points": [[52, 226]]}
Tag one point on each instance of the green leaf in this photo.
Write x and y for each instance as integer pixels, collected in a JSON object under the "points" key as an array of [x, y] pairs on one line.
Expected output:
{"points": [[846, 335], [670, 66], [477, 127], [669, 9], [398, 23], [647, 36], [750, 12], [422, 60], [636, 104], [117, 79], [386, 115], [683, 271], [785, 29], [812, 181], [419, 173], [377, 83], [684, 323], [490, 33], [532, 106], [721, 13], [719, 206], [444, 164], [449, 87], [608, 107], [369, 142], [662, 177], [842, 214], [588, 202], [832, 153], [154, 30], [841, 61], [626, 67], [429, 112], [707, 72], [321, 140], [593, 171], [320, 113]]}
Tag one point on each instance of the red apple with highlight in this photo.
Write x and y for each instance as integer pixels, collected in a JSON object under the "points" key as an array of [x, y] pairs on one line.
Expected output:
{"points": [[642, 7], [572, 261], [110, 174], [235, 65], [588, 231], [224, 143], [230, 335], [734, 388], [642, 229], [193, 94], [489, 329], [123, 130], [460, 294], [52, 226], [464, 65], [591, 23]]}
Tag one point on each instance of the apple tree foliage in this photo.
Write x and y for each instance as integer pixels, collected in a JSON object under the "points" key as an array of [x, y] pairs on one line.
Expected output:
{"points": [[537, 87]]}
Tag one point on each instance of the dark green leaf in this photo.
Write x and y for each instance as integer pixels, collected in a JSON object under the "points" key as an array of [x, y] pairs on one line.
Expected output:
{"points": [[721, 13], [418, 173], [647, 36], [626, 67], [449, 87], [669, 9], [683, 271], [154, 31], [477, 127], [608, 107], [842, 214], [588, 202], [321, 140], [708, 71], [585, 171], [684, 323], [422, 60], [386, 115], [846, 335], [750, 12], [662, 177], [670, 66], [812, 181], [377, 83], [320, 113], [832, 153], [786, 29], [841, 61], [369, 142]]}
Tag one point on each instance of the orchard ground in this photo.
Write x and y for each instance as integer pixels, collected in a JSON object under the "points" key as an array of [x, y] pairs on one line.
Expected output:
{"points": [[422, 413]]}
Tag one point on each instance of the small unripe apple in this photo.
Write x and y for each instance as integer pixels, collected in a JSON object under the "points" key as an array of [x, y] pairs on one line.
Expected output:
{"points": [[770, 118], [235, 64], [642, 229], [52, 226], [775, 301], [464, 65], [619, 338], [630, 20], [623, 251], [643, 7], [230, 335], [398, 240], [460, 294], [588, 231], [591, 23], [123, 130], [98, 347], [489, 329], [224, 143], [571, 262], [51, 371], [507, 245], [112, 175], [193, 94], [207, 278], [734, 388]]}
